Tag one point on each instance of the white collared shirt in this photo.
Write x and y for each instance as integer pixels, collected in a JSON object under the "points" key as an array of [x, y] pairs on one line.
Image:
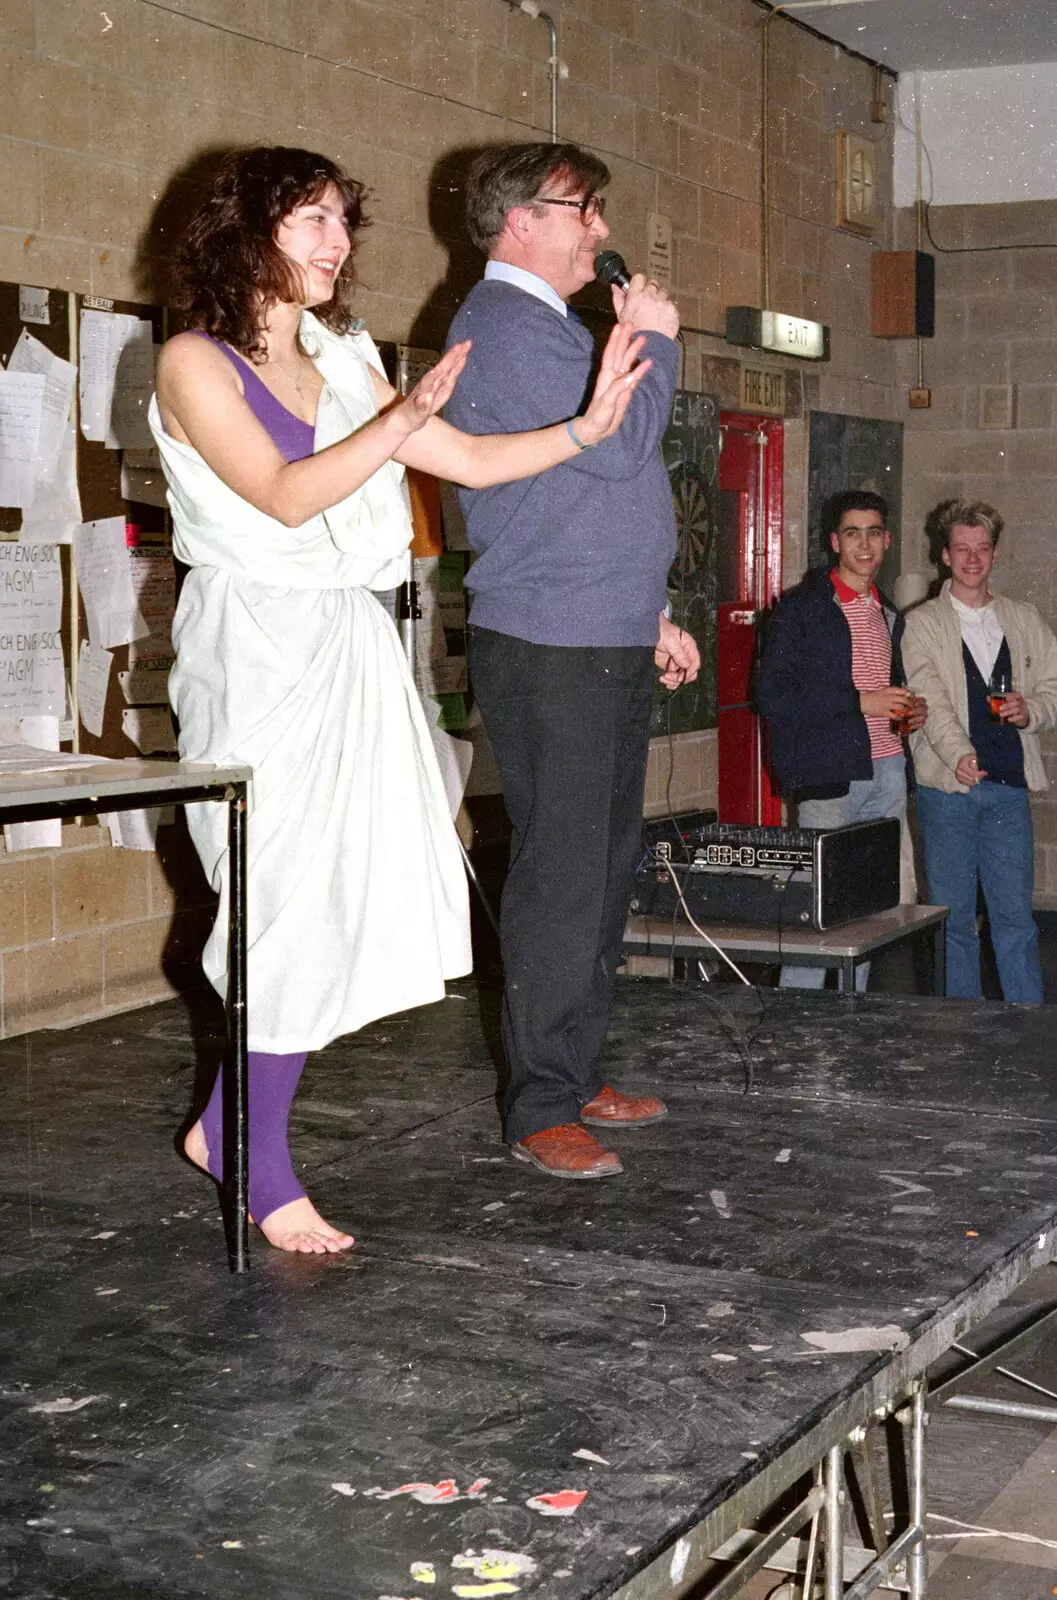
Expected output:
{"points": [[982, 634], [529, 281]]}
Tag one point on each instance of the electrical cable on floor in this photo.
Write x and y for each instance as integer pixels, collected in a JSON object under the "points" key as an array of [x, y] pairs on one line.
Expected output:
{"points": [[698, 928], [976, 1531], [734, 1028]]}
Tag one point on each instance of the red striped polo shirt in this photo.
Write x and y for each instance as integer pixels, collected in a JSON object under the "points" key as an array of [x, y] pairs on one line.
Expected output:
{"points": [[871, 657]]}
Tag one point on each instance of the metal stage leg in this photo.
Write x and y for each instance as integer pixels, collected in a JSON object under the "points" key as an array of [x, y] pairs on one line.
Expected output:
{"points": [[236, 1058], [833, 1570], [917, 1565], [482, 897]]}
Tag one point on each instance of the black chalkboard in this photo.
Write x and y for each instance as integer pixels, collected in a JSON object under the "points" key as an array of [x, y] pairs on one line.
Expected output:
{"points": [[691, 455], [855, 453]]}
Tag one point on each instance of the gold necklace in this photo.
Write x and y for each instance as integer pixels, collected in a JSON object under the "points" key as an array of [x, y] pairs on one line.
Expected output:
{"points": [[295, 381]]}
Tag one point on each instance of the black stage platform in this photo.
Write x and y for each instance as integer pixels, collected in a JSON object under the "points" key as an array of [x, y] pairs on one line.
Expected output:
{"points": [[170, 1430]]}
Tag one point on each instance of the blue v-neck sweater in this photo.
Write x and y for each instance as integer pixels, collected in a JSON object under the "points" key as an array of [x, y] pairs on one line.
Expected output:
{"points": [[578, 555]]}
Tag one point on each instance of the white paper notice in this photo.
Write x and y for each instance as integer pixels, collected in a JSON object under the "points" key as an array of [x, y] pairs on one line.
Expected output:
{"points": [[137, 830], [146, 488], [29, 355], [21, 408], [32, 679], [133, 387], [93, 676], [56, 507], [100, 557], [33, 304], [117, 376], [150, 729], [151, 658], [143, 687], [41, 734]]}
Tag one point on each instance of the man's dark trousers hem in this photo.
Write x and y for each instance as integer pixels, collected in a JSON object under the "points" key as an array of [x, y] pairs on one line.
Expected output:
{"points": [[570, 729]]}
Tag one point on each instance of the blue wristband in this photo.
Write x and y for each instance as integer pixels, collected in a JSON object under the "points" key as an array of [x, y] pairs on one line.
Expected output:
{"points": [[579, 443]]}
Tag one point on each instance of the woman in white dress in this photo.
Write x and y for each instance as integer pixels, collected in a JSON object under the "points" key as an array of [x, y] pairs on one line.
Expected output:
{"points": [[284, 449]]}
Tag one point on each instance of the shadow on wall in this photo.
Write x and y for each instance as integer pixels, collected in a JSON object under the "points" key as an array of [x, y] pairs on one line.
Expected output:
{"points": [[447, 220], [157, 245]]}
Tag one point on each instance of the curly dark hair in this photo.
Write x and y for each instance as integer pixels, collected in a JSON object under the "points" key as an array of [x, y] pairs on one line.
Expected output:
{"points": [[228, 266]]}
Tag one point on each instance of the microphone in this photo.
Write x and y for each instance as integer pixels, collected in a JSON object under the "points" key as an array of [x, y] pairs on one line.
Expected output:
{"points": [[612, 268]]}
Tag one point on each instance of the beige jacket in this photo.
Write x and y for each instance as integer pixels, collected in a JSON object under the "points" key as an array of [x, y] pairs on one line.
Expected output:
{"points": [[932, 658]]}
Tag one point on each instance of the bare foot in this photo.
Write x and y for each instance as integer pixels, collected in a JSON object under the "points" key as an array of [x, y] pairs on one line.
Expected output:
{"points": [[195, 1148], [299, 1227], [296, 1227]]}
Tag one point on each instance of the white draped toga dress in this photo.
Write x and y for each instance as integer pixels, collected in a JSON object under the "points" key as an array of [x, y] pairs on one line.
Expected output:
{"points": [[357, 898]]}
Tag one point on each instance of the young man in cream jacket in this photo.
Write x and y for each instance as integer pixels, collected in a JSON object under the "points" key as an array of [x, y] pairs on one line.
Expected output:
{"points": [[988, 668]]}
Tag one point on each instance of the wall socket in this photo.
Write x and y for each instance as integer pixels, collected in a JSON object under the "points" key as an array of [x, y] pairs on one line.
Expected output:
{"points": [[919, 399]]}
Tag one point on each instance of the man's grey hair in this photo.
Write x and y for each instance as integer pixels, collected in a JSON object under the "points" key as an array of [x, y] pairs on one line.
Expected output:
{"points": [[513, 175]]}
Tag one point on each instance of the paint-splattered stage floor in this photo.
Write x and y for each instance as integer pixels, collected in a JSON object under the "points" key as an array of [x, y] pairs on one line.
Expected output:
{"points": [[169, 1430]]}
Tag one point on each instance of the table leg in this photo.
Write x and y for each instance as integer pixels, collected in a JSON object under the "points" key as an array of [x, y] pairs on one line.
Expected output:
{"points": [[847, 968], [939, 959], [236, 1060]]}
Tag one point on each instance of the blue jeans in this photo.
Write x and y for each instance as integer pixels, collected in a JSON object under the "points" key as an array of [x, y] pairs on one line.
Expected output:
{"points": [[867, 800], [986, 835]]}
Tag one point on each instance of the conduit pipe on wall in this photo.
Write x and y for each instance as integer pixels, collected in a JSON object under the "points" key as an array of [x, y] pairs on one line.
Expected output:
{"points": [[557, 66]]}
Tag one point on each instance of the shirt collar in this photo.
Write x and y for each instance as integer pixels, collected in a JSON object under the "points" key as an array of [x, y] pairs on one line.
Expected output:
{"points": [[529, 281], [845, 592], [978, 614]]}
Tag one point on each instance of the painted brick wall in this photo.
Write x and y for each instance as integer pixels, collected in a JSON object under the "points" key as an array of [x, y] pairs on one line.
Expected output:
{"points": [[101, 106], [996, 324]]}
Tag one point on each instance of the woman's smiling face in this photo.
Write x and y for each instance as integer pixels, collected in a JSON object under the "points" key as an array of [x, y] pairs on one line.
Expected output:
{"points": [[315, 236]]}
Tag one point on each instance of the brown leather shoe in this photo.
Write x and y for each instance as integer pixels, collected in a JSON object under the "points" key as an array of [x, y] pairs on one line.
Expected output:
{"points": [[611, 1109], [567, 1151]]}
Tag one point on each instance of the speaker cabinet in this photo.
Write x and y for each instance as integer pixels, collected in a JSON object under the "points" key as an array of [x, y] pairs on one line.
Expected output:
{"points": [[903, 302]]}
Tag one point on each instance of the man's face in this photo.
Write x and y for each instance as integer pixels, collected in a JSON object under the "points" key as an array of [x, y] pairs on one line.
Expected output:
{"points": [[970, 556], [860, 542], [560, 246]]}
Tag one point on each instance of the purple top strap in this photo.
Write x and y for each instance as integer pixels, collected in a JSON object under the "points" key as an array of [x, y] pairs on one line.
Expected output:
{"points": [[292, 436]]}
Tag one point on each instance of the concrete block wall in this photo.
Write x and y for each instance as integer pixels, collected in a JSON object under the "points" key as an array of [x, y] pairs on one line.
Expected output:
{"points": [[87, 929], [996, 324], [101, 108]]}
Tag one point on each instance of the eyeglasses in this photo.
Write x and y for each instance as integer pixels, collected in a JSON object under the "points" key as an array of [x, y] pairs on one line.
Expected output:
{"points": [[590, 207]]}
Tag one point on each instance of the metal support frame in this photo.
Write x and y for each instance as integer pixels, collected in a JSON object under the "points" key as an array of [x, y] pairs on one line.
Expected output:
{"points": [[824, 1508], [946, 1393], [236, 1059]]}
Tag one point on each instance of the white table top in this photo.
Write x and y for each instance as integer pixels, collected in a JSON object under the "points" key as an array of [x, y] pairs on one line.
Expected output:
{"points": [[109, 780], [658, 936]]}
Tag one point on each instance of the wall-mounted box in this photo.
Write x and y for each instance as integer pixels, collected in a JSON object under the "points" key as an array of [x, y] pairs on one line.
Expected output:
{"points": [[903, 299]]}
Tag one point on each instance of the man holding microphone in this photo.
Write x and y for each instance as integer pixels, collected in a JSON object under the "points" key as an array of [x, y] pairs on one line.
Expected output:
{"points": [[568, 616]]}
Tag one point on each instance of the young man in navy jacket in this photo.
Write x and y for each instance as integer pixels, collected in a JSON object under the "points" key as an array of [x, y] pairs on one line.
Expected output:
{"points": [[831, 687]]}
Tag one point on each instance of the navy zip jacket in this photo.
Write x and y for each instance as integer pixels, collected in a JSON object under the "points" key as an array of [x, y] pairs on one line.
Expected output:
{"points": [[820, 743]]}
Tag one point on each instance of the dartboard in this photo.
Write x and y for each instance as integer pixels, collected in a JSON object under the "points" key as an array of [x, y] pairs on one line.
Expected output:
{"points": [[693, 521]]}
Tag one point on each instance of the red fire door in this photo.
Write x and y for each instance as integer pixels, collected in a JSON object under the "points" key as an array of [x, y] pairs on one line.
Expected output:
{"points": [[750, 578]]}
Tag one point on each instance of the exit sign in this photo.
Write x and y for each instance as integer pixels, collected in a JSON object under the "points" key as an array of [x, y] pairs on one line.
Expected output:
{"points": [[763, 389], [775, 332]]}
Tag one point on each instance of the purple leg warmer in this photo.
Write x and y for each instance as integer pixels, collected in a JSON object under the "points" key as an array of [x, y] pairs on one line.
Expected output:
{"points": [[272, 1086]]}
